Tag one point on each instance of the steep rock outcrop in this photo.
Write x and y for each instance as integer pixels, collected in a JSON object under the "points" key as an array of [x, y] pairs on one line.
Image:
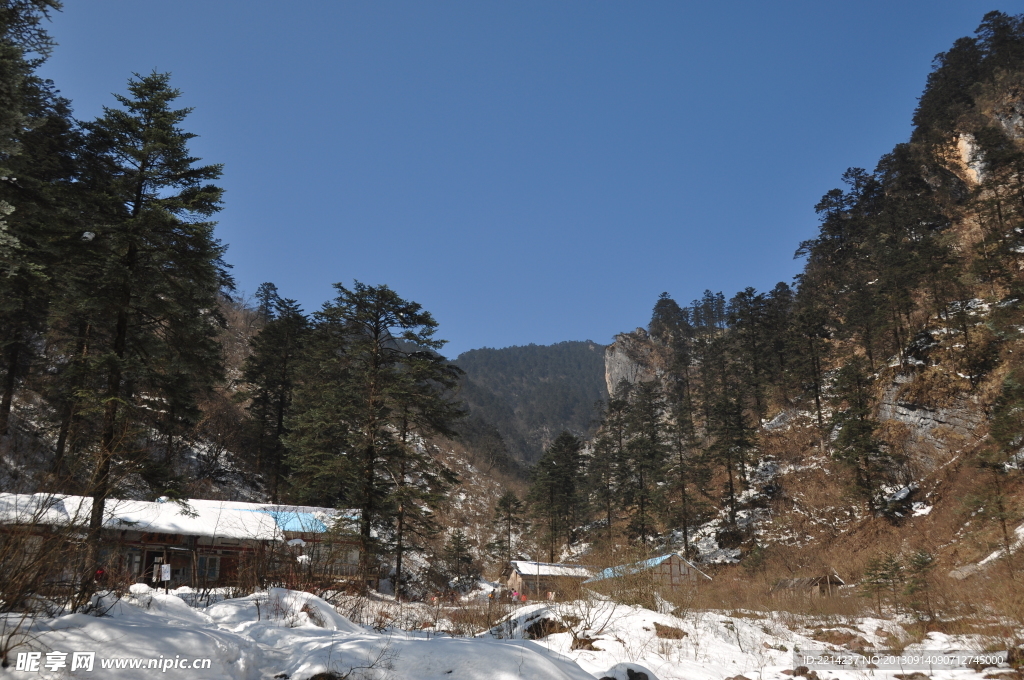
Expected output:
{"points": [[944, 429], [631, 357]]}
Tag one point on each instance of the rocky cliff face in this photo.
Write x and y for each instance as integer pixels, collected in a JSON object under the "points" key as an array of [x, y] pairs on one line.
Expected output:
{"points": [[632, 357], [933, 430]]}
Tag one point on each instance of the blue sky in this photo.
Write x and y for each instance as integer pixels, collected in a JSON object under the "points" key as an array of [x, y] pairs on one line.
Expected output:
{"points": [[527, 171]]}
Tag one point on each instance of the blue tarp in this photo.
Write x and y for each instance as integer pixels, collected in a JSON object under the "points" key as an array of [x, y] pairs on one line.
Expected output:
{"points": [[614, 572], [289, 520]]}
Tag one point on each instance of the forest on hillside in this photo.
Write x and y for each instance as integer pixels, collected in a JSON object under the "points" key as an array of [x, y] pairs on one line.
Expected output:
{"points": [[129, 370], [530, 394], [911, 294], [129, 367]]}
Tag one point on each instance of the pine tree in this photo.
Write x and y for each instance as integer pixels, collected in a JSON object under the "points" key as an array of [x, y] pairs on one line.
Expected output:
{"points": [[460, 567], [885, 575], [556, 492], [749, 339], [509, 520], [643, 463], [732, 439], [918, 586], [856, 443], [686, 473], [37, 146], [420, 479], [372, 390], [271, 372], [604, 468], [157, 274], [24, 45]]}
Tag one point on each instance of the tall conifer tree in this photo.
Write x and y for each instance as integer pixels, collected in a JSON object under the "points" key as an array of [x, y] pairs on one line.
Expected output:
{"points": [[372, 390], [158, 273]]}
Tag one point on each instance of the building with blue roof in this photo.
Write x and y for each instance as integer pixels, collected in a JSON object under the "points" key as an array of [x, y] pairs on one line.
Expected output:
{"points": [[668, 572]]}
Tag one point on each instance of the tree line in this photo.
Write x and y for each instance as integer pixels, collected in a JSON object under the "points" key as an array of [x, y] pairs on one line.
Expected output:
{"points": [[914, 271], [113, 304]]}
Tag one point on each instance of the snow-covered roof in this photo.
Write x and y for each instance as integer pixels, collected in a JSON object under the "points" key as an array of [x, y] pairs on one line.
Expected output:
{"points": [[192, 517], [38, 508], [637, 567], [524, 568]]}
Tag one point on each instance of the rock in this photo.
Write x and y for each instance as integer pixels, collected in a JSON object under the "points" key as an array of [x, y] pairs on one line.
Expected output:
{"points": [[627, 671], [629, 358], [669, 632], [585, 643], [544, 627], [927, 424]]}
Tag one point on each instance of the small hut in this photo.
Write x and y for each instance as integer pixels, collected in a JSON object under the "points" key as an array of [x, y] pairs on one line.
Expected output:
{"points": [[537, 579], [666, 572], [809, 586]]}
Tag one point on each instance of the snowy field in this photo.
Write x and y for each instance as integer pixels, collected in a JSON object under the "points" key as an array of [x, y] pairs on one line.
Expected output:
{"points": [[290, 635]]}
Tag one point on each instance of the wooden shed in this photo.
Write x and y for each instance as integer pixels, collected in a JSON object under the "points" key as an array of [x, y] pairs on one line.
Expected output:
{"points": [[809, 586], [537, 579], [667, 572]]}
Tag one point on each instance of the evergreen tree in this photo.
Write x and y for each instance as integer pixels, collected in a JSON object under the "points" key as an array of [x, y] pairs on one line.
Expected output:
{"points": [[460, 567], [604, 467], [732, 439], [856, 443], [686, 474], [509, 520], [778, 325], [157, 274], [271, 371], [885, 575], [24, 45], [420, 479], [37, 148], [918, 587], [372, 389], [749, 338], [670, 323], [556, 493], [642, 467]]}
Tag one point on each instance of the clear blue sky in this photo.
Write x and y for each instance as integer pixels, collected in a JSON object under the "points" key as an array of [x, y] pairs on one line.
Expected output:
{"points": [[528, 171]]}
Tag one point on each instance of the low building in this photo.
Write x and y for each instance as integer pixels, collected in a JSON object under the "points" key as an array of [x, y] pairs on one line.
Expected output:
{"points": [[544, 580], [810, 586], [203, 542], [667, 572]]}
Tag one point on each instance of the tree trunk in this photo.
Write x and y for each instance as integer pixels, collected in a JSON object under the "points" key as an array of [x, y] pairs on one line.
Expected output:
{"points": [[398, 552], [70, 416], [9, 382], [62, 442], [365, 537], [101, 476]]}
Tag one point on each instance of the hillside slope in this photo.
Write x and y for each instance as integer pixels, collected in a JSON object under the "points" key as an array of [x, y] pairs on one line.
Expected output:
{"points": [[530, 394], [875, 409]]}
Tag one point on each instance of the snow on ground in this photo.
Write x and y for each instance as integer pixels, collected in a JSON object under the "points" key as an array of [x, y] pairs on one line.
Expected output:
{"points": [[290, 635], [280, 634], [711, 645]]}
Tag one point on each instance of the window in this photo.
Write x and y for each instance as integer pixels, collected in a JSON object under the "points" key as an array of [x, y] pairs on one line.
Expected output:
{"points": [[208, 568]]}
